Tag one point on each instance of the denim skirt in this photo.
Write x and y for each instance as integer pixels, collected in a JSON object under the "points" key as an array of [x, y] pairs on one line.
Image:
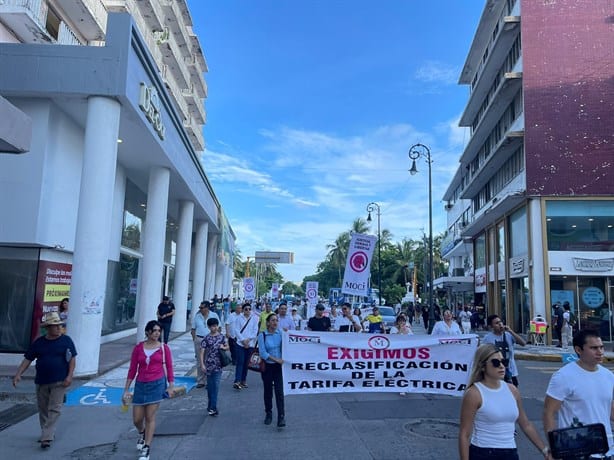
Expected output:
{"points": [[149, 392]]}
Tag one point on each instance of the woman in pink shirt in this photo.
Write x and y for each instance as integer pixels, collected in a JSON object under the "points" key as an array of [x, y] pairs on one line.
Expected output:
{"points": [[149, 358]]}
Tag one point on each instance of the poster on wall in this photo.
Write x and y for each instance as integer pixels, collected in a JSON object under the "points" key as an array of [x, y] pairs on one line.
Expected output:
{"points": [[561, 297], [52, 285]]}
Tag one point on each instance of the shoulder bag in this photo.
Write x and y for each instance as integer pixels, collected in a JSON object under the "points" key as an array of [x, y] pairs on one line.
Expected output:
{"points": [[225, 358], [255, 362], [176, 391]]}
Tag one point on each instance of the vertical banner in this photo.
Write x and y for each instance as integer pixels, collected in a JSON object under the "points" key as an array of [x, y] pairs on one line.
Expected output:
{"points": [[249, 288], [275, 291], [356, 275], [52, 285], [311, 293]]}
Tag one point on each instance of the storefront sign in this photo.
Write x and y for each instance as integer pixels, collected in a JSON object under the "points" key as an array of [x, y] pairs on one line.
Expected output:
{"points": [[518, 266], [149, 102], [333, 362], [593, 265]]}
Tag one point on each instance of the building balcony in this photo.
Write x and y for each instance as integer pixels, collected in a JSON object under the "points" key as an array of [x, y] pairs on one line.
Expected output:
{"points": [[26, 19], [195, 132], [501, 100], [175, 19], [171, 56], [196, 107], [176, 94], [506, 147], [152, 14], [90, 16]]}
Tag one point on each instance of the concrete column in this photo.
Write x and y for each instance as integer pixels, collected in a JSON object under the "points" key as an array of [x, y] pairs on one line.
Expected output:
{"points": [[182, 265], [200, 262], [219, 276], [90, 259], [536, 259], [117, 219], [227, 281], [154, 238], [211, 267]]}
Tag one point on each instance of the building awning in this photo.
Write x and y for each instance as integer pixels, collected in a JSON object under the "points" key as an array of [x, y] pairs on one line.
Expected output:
{"points": [[455, 283]]}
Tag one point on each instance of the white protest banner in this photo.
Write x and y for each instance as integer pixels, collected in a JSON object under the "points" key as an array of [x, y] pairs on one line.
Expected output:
{"points": [[311, 290], [275, 291], [334, 362], [249, 288], [356, 275]]}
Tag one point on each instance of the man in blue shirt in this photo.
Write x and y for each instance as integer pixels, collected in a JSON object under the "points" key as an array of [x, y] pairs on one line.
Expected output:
{"points": [[55, 363]]}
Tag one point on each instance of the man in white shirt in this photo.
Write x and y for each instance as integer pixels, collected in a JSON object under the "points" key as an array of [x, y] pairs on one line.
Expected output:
{"points": [[296, 318], [285, 322], [348, 322], [231, 334], [246, 333], [582, 390]]}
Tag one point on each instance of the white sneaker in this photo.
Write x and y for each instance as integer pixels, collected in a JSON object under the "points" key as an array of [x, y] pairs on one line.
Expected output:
{"points": [[144, 453], [141, 442]]}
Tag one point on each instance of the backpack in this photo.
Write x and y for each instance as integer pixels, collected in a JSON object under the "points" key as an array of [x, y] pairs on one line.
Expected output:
{"points": [[572, 319]]}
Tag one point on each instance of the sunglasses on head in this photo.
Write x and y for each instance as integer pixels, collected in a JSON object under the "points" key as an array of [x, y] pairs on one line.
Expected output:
{"points": [[496, 362]]}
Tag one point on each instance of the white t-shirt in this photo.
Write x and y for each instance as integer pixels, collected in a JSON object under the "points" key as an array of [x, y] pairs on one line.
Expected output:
{"points": [[441, 328], [584, 394], [343, 321], [465, 316]]}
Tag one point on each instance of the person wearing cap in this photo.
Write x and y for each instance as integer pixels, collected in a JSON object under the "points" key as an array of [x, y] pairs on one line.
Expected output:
{"points": [[166, 310], [319, 322], [296, 318], [55, 355], [199, 331], [375, 322]]}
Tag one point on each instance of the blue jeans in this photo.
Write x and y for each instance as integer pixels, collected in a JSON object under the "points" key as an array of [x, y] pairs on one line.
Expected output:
{"points": [[486, 453], [242, 359], [213, 387]]}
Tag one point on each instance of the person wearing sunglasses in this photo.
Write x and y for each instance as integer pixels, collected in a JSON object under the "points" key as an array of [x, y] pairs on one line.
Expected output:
{"points": [[505, 339], [490, 410]]}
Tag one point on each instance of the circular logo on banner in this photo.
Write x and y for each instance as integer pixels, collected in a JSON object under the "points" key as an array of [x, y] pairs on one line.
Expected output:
{"points": [[359, 261], [311, 293], [248, 287], [379, 342]]}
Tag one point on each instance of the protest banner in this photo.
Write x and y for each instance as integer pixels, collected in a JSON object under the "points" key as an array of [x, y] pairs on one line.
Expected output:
{"points": [[333, 362], [249, 288], [356, 274]]}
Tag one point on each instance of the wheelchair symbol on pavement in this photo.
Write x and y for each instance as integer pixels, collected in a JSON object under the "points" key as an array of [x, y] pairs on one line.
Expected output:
{"points": [[95, 399], [568, 357]]}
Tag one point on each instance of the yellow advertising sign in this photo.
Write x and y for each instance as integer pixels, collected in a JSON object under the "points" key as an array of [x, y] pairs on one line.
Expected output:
{"points": [[56, 292]]}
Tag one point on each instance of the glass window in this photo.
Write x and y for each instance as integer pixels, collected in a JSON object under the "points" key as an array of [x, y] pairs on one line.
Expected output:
{"points": [[131, 233], [18, 271], [580, 225], [519, 244], [480, 251], [500, 243], [120, 302]]}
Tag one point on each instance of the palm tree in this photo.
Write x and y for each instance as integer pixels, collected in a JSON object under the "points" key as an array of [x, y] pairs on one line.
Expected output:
{"points": [[338, 253]]}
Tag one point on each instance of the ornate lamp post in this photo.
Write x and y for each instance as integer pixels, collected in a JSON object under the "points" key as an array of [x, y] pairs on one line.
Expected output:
{"points": [[370, 208], [416, 152]]}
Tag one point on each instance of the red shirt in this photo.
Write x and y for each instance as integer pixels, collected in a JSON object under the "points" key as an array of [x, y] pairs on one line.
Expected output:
{"points": [[148, 370]]}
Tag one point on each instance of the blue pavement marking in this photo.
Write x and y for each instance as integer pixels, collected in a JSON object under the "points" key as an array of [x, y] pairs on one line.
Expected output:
{"points": [[107, 396], [569, 357]]}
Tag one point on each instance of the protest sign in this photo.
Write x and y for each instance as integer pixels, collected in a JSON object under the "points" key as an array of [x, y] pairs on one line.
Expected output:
{"points": [[332, 362]]}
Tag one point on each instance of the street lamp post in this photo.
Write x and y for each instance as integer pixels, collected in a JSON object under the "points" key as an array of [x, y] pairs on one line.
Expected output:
{"points": [[415, 152], [370, 208]]}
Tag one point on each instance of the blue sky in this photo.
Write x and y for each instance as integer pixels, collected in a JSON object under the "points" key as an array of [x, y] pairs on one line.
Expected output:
{"points": [[313, 106]]}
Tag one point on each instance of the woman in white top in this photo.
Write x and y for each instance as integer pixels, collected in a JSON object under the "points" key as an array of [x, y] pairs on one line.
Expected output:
{"points": [[447, 326], [490, 410], [401, 326]]}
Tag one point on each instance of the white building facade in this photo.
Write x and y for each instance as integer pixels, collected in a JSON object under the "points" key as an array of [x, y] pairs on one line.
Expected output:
{"points": [[109, 204]]}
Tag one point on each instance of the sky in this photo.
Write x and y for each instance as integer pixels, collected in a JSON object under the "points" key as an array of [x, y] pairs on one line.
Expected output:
{"points": [[312, 107]]}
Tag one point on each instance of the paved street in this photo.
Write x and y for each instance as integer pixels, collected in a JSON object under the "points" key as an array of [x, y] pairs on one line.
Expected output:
{"points": [[357, 425]]}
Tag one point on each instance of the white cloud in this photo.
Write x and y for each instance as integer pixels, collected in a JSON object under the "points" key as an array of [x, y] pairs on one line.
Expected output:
{"points": [[437, 72], [333, 179]]}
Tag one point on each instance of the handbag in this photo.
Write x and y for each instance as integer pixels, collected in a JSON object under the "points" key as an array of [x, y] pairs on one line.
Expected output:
{"points": [[176, 391], [225, 358], [255, 362]]}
